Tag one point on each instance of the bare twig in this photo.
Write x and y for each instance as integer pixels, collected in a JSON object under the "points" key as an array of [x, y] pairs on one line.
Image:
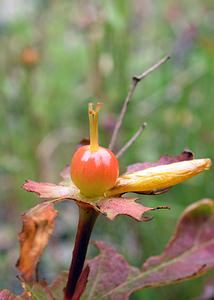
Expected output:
{"points": [[132, 140], [135, 80]]}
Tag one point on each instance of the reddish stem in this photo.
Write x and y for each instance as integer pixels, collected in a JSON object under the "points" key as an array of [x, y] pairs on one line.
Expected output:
{"points": [[87, 218]]}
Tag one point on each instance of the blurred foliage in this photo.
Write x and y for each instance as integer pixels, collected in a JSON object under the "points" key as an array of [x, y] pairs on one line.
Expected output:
{"points": [[55, 57]]}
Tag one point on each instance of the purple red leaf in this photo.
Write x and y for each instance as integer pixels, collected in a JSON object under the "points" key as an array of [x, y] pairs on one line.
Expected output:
{"points": [[164, 160], [188, 255], [108, 271]]}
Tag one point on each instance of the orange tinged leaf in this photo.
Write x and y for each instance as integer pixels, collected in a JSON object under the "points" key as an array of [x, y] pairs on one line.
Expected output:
{"points": [[38, 224], [159, 177]]}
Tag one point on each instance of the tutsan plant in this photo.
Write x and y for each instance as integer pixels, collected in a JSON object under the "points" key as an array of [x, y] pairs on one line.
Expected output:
{"points": [[93, 182]]}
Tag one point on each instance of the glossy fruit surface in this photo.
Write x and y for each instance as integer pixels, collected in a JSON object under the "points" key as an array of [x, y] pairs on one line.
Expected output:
{"points": [[94, 172]]}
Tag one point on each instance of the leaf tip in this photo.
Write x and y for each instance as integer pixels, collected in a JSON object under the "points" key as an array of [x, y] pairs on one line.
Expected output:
{"points": [[207, 163]]}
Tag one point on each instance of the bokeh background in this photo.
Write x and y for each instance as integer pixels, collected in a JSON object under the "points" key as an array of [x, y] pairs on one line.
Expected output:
{"points": [[55, 57]]}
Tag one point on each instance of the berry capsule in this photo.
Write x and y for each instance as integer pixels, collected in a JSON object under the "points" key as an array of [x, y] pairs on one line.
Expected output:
{"points": [[94, 169]]}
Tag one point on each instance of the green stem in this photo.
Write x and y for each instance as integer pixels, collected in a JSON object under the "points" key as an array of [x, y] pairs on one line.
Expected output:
{"points": [[87, 218]]}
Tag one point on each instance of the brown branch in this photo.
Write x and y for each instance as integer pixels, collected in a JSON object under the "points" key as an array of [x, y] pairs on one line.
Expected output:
{"points": [[132, 140], [135, 80], [87, 219]]}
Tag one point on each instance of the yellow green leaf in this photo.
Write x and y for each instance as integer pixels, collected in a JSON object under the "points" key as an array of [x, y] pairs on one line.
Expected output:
{"points": [[159, 177]]}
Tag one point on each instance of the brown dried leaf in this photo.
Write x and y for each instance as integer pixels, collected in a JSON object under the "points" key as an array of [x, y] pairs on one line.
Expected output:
{"points": [[112, 207], [160, 177], [38, 224], [164, 160]]}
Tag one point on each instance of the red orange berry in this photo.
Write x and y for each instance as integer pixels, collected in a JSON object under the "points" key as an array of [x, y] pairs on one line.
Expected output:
{"points": [[94, 169]]}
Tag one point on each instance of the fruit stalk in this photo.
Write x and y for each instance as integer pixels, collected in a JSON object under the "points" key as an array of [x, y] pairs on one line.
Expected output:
{"points": [[87, 219], [93, 125]]}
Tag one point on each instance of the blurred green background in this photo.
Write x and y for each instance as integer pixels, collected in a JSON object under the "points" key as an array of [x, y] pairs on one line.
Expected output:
{"points": [[58, 55]]}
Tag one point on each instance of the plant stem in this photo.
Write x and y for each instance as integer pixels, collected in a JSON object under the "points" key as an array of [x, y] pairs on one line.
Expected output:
{"points": [[131, 141], [87, 218], [135, 80]]}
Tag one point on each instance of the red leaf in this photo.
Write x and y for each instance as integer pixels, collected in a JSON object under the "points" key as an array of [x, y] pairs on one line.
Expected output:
{"points": [[38, 224], [191, 248], [188, 254], [113, 207], [164, 160], [108, 271], [50, 190]]}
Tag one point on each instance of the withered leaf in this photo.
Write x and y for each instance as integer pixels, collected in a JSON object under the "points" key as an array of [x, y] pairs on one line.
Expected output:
{"points": [[38, 224], [164, 160], [188, 255], [159, 177]]}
